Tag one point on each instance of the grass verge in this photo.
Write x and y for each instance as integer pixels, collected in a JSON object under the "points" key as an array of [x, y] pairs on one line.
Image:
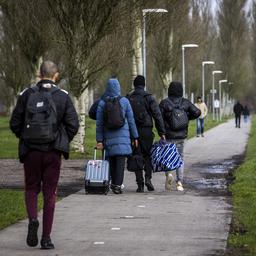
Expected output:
{"points": [[13, 207], [243, 230], [9, 143]]}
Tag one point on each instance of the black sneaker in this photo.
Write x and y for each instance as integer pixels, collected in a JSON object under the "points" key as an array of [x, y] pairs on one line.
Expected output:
{"points": [[116, 189], [149, 185], [46, 244], [32, 238]]}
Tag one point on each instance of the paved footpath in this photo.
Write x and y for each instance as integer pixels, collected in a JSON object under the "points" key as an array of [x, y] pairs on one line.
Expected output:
{"points": [[150, 224]]}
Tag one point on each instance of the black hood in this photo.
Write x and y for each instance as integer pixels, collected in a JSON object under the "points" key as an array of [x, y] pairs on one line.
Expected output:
{"points": [[175, 89], [139, 81]]}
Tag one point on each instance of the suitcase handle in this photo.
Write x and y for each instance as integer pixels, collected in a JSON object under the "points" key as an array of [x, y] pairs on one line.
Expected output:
{"points": [[95, 154]]}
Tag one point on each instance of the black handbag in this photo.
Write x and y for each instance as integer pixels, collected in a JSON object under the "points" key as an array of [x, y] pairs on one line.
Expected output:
{"points": [[135, 162]]}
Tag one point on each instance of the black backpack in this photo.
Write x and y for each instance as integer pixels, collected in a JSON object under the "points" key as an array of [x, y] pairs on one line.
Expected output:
{"points": [[178, 118], [93, 110], [139, 106], [40, 126], [112, 113]]}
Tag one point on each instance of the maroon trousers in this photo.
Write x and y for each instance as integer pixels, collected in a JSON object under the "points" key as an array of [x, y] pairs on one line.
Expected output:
{"points": [[42, 170]]}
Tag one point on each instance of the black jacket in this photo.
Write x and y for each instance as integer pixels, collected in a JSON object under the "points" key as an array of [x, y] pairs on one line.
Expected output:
{"points": [[66, 117], [246, 111], [238, 109], [192, 111], [175, 95], [153, 111]]}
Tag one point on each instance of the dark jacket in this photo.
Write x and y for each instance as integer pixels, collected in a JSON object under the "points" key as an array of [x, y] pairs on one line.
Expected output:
{"points": [[66, 117], [238, 109], [175, 95], [153, 111], [246, 111]]}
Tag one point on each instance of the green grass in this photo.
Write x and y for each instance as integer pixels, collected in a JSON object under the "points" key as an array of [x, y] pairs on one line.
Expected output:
{"points": [[90, 140], [9, 143], [12, 207], [243, 233]]}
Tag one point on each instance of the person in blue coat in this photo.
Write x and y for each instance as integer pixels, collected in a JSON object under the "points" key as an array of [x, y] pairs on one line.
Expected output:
{"points": [[116, 142]]}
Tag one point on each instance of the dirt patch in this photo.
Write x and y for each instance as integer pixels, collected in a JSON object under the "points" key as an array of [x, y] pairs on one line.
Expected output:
{"points": [[71, 176]]}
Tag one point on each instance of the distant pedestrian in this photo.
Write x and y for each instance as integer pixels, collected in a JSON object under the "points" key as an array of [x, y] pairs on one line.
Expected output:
{"points": [[176, 101], [246, 113], [238, 109], [200, 120], [116, 141], [145, 109], [45, 121]]}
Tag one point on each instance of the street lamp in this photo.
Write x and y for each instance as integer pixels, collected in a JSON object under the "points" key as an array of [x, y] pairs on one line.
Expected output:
{"points": [[183, 64], [220, 82], [213, 90], [203, 64], [144, 12]]}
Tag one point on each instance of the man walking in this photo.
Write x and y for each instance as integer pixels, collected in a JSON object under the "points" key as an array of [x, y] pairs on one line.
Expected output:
{"points": [[238, 109], [200, 120], [187, 111], [145, 109], [45, 121]]}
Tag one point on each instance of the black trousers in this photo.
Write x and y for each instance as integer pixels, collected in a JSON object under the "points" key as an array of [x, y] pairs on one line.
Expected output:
{"points": [[116, 167], [146, 138], [238, 120]]}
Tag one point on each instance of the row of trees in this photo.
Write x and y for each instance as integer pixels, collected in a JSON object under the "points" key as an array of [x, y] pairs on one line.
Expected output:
{"points": [[94, 39]]}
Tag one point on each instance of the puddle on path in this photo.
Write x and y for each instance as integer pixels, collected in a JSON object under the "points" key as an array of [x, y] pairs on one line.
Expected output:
{"points": [[209, 183], [212, 177]]}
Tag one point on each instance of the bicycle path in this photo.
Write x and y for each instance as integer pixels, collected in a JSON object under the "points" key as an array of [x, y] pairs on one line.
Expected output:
{"points": [[158, 223]]}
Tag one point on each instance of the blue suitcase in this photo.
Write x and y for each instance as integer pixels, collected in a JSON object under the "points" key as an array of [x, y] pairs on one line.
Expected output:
{"points": [[97, 175]]}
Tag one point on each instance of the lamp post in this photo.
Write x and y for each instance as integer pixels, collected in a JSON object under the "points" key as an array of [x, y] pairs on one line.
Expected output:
{"points": [[203, 64], [183, 47], [144, 12], [220, 82], [213, 90]]}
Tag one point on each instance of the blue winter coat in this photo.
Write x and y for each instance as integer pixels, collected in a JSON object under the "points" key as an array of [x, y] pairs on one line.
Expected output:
{"points": [[116, 142]]}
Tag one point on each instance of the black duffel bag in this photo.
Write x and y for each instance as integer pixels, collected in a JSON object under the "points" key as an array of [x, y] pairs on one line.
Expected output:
{"points": [[135, 162]]}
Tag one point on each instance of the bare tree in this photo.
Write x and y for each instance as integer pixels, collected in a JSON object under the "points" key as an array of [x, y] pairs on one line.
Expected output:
{"points": [[233, 43], [83, 26], [22, 44]]}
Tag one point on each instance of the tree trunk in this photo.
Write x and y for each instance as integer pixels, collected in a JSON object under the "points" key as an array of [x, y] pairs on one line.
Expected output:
{"points": [[80, 103], [12, 105], [35, 77], [167, 77], [137, 48]]}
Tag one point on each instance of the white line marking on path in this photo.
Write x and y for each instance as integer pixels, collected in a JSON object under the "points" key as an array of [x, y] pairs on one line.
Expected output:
{"points": [[115, 228], [142, 206], [151, 198], [97, 243], [129, 217]]}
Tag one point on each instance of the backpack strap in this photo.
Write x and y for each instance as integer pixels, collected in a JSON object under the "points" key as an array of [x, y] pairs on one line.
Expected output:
{"points": [[53, 89], [34, 88], [111, 98], [179, 105]]}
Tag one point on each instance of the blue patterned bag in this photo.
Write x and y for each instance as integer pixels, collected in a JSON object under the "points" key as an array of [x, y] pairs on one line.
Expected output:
{"points": [[165, 157]]}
